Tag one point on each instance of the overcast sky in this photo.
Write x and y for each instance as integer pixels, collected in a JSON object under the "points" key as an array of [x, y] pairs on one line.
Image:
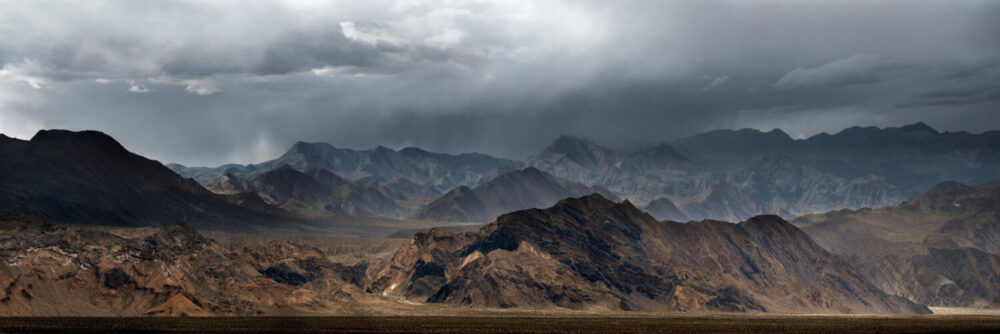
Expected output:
{"points": [[211, 82]]}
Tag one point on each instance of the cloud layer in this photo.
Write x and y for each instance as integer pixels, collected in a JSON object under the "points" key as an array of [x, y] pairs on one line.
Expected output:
{"points": [[210, 82]]}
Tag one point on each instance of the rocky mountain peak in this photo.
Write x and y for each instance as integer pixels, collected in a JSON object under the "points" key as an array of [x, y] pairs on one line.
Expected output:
{"points": [[572, 147], [780, 134], [591, 253], [411, 151], [382, 150], [919, 127], [947, 187], [78, 142]]}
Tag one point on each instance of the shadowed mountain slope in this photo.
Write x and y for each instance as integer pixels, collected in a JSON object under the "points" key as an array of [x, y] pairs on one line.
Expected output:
{"points": [[89, 178]]}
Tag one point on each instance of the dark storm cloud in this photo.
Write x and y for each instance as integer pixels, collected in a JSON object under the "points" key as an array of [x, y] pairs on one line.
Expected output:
{"points": [[232, 81]]}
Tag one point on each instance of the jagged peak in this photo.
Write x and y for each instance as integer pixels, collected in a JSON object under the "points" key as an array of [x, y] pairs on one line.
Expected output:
{"points": [[380, 148], [918, 127], [857, 130], [776, 132], [304, 148], [947, 187], [625, 202], [592, 201]]}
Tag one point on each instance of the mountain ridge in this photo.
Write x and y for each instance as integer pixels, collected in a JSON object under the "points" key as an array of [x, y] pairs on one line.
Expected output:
{"points": [[590, 253]]}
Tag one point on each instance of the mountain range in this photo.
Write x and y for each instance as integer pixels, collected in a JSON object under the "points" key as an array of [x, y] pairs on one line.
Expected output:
{"points": [[440, 171], [95, 224], [590, 253], [941, 247], [585, 253], [724, 174]]}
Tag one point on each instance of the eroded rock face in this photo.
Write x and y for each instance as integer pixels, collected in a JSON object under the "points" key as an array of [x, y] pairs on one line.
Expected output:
{"points": [[591, 253], [52, 270]]}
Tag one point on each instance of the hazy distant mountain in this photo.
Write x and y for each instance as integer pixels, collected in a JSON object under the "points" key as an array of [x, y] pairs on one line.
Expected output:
{"points": [[594, 254], [403, 189], [89, 178], [724, 149], [773, 173], [515, 190], [852, 152], [663, 209], [441, 171], [724, 201], [941, 247], [780, 185], [311, 193]]}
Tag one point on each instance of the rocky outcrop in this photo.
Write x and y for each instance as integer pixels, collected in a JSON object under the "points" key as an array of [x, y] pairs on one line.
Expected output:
{"points": [[591, 253], [56, 270]]}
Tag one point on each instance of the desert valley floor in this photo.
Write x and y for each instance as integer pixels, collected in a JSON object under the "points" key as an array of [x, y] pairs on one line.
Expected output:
{"points": [[521, 323]]}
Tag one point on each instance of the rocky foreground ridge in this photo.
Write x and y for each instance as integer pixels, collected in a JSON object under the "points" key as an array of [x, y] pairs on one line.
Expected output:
{"points": [[585, 253], [593, 254], [58, 270]]}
